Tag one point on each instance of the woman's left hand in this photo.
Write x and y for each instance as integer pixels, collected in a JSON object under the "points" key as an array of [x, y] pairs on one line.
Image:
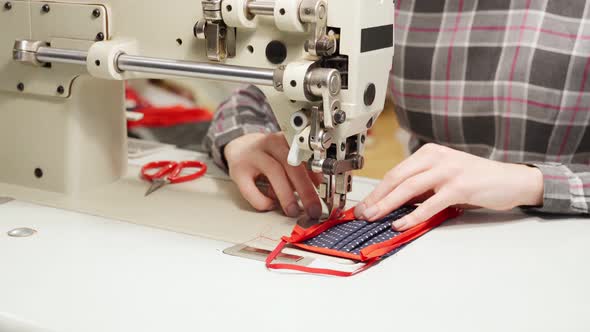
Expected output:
{"points": [[440, 177]]}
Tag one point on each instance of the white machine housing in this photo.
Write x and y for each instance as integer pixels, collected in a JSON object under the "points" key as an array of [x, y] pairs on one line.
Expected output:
{"points": [[62, 125]]}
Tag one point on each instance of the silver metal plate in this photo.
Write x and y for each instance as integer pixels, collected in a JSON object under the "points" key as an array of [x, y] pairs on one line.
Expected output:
{"points": [[244, 251]]}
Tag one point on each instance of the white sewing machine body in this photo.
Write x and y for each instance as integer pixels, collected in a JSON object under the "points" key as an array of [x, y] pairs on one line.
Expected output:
{"points": [[62, 121]]}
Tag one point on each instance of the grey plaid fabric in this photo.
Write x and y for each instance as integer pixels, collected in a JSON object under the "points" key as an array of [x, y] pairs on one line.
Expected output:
{"points": [[503, 79], [245, 112]]}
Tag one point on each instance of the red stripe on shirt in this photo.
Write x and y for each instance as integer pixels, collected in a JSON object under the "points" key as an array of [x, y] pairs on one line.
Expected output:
{"points": [[556, 177], [512, 72], [398, 93], [494, 28], [573, 117]]}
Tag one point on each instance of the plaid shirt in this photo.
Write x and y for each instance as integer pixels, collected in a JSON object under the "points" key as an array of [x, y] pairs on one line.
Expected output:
{"points": [[245, 112], [507, 80]]}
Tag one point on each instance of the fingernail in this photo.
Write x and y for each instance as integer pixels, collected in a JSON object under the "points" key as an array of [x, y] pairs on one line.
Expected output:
{"points": [[293, 210], [370, 212], [315, 211], [399, 224], [359, 209]]}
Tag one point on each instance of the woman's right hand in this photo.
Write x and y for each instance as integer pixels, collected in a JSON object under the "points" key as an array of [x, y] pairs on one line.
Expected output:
{"points": [[253, 156]]}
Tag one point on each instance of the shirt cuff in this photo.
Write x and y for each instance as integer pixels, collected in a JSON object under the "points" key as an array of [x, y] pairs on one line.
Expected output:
{"points": [[563, 190], [216, 145], [246, 111]]}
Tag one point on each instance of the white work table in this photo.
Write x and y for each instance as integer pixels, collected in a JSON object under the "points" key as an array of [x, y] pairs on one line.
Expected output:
{"points": [[480, 272]]}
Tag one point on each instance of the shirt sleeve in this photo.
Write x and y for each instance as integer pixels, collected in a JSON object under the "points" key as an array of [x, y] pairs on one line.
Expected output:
{"points": [[567, 188], [246, 111]]}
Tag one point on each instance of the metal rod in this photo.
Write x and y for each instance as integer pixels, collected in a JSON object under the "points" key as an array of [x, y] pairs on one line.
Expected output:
{"points": [[238, 74], [220, 72], [49, 54], [261, 8]]}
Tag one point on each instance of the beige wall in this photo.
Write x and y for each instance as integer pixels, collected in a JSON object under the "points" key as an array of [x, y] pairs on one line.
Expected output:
{"points": [[388, 145]]}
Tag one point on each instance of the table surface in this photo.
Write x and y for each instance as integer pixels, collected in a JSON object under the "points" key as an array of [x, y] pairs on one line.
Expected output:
{"points": [[481, 272]]}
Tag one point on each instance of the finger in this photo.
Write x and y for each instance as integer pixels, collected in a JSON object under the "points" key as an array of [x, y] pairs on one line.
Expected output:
{"points": [[421, 198], [245, 180], [277, 177], [264, 186], [403, 193], [415, 164], [307, 191], [301, 181], [425, 211]]}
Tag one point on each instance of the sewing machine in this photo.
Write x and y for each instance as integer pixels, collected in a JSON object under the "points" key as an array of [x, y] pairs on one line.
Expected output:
{"points": [[322, 64], [62, 145]]}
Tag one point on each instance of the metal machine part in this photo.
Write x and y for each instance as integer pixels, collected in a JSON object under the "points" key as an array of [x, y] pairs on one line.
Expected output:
{"points": [[266, 8], [315, 12], [326, 85], [228, 73], [326, 159], [124, 62], [26, 51], [221, 40]]}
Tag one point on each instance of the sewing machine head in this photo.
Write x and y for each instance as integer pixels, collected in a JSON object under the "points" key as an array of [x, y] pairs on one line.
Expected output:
{"points": [[323, 64]]}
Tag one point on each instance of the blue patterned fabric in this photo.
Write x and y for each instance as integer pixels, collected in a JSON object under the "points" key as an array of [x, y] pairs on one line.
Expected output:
{"points": [[354, 236]]}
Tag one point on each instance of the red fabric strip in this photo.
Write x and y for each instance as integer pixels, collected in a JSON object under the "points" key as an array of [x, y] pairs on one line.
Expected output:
{"points": [[300, 234], [312, 270], [170, 116]]}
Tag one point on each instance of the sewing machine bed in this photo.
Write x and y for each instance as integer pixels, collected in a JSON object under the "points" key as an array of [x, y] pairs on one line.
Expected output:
{"points": [[210, 207]]}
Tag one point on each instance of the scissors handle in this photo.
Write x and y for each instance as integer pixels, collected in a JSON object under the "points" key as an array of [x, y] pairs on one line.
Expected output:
{"points": [[162, 168], [175, 176]]}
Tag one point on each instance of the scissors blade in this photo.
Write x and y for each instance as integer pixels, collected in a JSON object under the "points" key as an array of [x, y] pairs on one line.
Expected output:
{"points": [[156, 184]]}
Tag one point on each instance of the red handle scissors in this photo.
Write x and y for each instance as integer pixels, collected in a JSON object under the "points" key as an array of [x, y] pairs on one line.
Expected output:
{"points": [[161, 173]]}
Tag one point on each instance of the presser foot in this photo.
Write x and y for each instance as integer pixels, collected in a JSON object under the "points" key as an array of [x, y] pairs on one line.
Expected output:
{"points": [[333, 201]]}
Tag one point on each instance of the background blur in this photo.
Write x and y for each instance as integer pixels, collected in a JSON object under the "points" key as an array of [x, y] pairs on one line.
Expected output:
{"points": [[386, 147]]}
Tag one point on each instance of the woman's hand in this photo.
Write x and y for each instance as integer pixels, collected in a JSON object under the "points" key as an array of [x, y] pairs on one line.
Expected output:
{"points": [[253, 156], [440, 177]]}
